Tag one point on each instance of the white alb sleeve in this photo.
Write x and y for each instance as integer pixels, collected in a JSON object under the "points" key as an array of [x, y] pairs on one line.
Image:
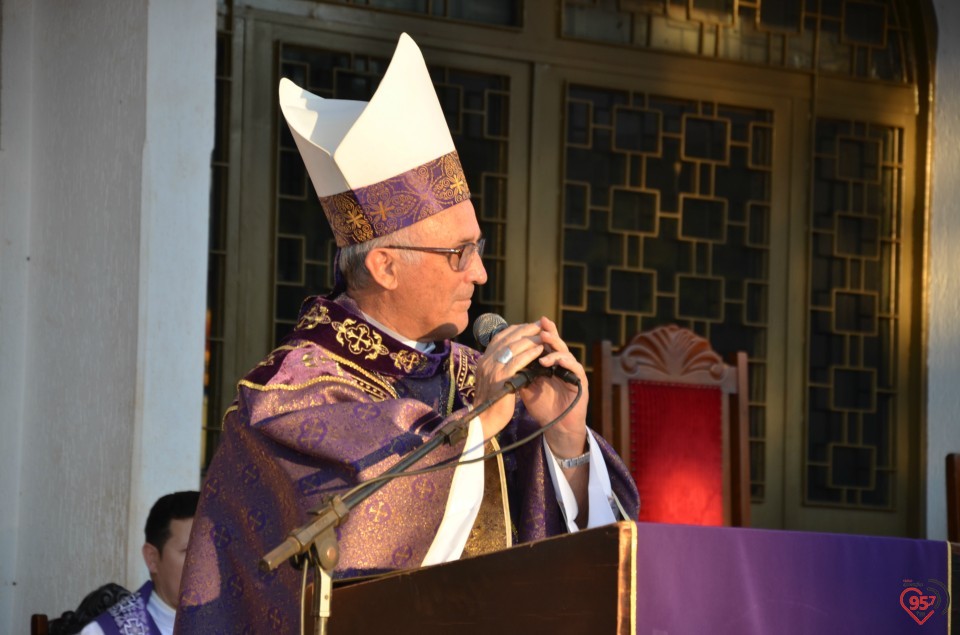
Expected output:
{"points": [[599, 490], [463, 502]]}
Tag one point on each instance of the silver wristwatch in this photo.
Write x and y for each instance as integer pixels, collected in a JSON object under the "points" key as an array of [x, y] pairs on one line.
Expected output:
{"points": [[575, 461]]}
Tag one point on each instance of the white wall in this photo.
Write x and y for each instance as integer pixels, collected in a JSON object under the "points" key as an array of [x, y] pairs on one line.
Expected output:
{"points": [[943, 356], [107, 131], [15, 154]]}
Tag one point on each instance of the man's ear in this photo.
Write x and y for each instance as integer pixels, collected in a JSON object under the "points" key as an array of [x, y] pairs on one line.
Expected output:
{"points": [[382, 265], [151, 556]]}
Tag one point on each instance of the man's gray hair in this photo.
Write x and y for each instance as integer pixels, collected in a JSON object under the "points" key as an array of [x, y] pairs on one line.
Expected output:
{"points": [[353, 258]]}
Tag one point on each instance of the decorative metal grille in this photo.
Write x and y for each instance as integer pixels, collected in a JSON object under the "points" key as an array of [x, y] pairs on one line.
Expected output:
{"points": [[860, 38], [490, 12], [855, 255], [666, 219], [213, 399], [476, 106]]}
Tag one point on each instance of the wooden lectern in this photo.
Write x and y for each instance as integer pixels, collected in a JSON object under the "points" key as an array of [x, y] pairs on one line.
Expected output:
{"points": [[579, 583]]}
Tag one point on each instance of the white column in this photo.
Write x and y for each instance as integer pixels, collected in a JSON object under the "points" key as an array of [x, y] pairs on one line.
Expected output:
{"points": [[174, 226], [105, 140]]}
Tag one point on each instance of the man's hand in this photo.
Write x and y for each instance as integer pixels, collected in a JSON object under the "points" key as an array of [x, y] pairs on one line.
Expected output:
{"points": [[509, 352], [547, 397]]}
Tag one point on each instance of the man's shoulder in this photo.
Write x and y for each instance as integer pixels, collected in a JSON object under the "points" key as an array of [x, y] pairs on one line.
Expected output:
{"points": [[296, 366], [130, 607], [307, 354]]}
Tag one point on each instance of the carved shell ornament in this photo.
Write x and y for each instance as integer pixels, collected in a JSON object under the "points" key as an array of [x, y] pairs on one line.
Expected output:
{"points": [[672, 351]]}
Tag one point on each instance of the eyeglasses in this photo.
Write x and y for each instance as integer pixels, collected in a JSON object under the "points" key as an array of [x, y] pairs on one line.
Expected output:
{"points": [[461, 256]]}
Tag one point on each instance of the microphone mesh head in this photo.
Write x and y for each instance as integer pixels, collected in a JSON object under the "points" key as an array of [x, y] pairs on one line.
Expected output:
{"points": [[486, 326]]}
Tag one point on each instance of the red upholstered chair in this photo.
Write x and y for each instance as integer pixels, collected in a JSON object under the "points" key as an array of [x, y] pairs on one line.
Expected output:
{"points": [[677, 414]]}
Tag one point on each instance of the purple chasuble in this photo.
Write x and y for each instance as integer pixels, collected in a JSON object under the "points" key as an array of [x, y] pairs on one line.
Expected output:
{"points": [[129, 616], [337, 403]]}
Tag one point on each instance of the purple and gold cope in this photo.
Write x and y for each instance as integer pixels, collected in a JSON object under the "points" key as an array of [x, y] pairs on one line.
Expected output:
{"points": [[337, 403]]}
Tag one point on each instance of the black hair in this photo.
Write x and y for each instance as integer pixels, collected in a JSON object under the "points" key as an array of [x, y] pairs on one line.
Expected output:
{"points": [[176, 506]]}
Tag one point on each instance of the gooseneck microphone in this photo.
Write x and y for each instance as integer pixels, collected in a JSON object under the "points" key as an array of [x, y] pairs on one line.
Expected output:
{"points": [[486, 327]]}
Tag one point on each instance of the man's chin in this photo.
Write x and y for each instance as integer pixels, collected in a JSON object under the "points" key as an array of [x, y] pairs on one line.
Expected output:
{"points": [[448, 330]]}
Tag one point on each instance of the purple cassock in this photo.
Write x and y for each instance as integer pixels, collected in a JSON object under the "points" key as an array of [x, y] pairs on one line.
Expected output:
{"points": [[337, 403]]}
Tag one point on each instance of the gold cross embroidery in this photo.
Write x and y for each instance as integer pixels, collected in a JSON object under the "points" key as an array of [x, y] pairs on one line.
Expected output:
{"points": [[378, 513], [383, 209], [458, 184], [355, 219]]}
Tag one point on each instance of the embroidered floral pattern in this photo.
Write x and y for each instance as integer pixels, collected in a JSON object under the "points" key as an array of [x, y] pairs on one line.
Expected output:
{"points": [[407, 360], [466, 377], [317, 315], [359, 338], [383, 208], [270, 359]]}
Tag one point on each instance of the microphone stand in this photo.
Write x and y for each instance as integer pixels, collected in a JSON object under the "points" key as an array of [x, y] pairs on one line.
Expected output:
{"points": [[316, 541]]}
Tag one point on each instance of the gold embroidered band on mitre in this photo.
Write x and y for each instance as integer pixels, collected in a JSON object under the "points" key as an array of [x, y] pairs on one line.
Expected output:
{"points": [[400, 201]]}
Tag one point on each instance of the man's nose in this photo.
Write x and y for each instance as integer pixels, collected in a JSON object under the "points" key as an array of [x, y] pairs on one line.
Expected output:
{"points": [[478, 273]]}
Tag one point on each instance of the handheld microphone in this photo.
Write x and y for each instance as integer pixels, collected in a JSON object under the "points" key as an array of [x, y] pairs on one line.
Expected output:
{"points": [[488, 325]]}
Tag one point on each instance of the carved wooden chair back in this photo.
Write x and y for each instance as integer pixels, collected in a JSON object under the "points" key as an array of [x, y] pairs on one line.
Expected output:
{"points": [[678, 416]]}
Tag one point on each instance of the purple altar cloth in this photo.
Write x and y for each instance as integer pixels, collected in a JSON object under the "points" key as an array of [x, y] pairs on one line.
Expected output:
{"points": [[726, 581]]}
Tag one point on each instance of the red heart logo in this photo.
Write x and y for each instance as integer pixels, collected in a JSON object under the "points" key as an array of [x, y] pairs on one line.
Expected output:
{"points": [[916, 599]]}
